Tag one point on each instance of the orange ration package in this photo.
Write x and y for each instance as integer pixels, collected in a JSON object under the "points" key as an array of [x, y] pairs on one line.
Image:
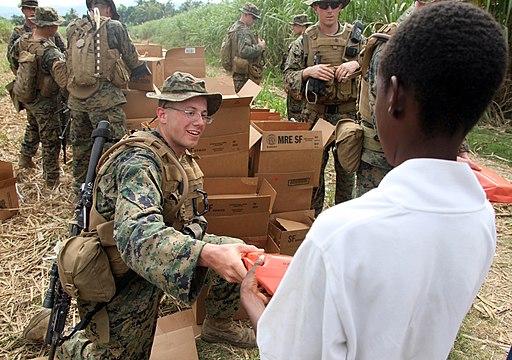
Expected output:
{"points": [[496, 188], [269, 274]]}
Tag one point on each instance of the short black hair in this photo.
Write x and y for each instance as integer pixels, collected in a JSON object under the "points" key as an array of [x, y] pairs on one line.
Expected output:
{"points": [[453, 57]]}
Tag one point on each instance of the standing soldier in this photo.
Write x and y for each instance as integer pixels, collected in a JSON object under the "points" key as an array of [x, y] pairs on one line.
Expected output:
{"points": [[39, 80], [323, 67], [294, 105], [95, 86], [31, 140], [249, 48]]}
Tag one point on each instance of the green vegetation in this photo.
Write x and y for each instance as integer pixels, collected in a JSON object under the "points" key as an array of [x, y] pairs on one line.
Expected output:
{"points": [[492, 142], [5, 30]]}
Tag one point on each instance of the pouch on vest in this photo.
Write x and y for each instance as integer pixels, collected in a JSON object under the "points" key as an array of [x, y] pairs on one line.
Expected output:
{"points": [[84, 268], [349, 144], [226, 51], [25, 85], [240, 66], [256, 73]]}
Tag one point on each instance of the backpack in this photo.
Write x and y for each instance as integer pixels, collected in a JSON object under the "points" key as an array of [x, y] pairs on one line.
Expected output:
{"points": [[227, 50], [25, 85]]}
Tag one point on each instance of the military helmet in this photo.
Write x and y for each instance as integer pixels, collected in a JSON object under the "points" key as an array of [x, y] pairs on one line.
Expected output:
{"points": [[251, 9], [46, 16], [28, 3], [312, 2], [182, 86], [301, 20], [91, 3]]}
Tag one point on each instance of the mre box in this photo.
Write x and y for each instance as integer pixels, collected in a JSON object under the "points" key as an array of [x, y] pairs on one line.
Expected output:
{"points": [[8, 197], [156, 66], [191, 60], [289, 229], [149, 50], [239, 207]]}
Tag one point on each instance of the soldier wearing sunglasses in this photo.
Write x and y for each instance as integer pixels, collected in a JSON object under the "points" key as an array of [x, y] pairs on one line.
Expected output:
{"points": [[323, 67]]}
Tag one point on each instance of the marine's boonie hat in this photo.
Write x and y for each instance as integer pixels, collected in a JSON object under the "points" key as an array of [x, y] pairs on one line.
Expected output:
{"points": [[182, 86], [46, 16], [301, 20], [28, 3], [251, 9], [91, 3]]}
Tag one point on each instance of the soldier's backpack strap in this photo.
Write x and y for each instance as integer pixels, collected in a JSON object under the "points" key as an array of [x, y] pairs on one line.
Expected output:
{"points": [[383, 35]]}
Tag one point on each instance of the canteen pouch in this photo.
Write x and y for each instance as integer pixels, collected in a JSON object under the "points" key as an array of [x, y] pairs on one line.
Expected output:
{"points": [[84, 268], [349, 144]]}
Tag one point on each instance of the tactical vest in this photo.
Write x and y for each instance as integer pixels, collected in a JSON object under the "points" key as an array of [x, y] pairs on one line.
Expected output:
{"points": [[320, 48], [181, 178], [364, 107], [89, 58], [43, 82]]}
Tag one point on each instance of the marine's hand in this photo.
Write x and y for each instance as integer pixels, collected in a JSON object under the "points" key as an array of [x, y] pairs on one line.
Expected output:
{"points": [[346, 69], [320, 71], [226, 260], [262, 43]]}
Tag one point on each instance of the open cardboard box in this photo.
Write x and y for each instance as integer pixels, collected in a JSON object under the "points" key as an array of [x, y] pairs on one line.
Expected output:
{"points": [[289, 229], [190, 59], [8, 197], [139, 106], [148, 50], [175, 337], [156, 78], [287, 146], [239, 207]]}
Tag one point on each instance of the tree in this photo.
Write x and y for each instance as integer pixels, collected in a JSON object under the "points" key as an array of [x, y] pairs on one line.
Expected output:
{"points": [[18, 19]]}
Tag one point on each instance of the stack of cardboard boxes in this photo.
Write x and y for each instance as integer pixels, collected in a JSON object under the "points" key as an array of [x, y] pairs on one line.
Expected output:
{"points": [[8, 196]]}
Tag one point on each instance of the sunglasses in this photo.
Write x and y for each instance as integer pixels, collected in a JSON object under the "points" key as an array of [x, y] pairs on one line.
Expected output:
{"points": [[324, 5]]}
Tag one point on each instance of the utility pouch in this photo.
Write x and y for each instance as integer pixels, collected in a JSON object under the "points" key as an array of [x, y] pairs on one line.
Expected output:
{"points": [[84, 268], [120, 74], [240, 66], [256, 73], [349, 144]]}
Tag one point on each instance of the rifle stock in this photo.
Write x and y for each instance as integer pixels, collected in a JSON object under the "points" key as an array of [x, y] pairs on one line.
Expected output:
{"points": [[56, 298]]}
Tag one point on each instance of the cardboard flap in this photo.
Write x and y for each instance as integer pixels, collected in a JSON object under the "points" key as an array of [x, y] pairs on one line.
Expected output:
{"points": [[221, 84], [6, 170], [251, 89], [290, 225], [178, 344], [254, 136], [327, 130], [231, 185], [267, 189], [187, 59]]}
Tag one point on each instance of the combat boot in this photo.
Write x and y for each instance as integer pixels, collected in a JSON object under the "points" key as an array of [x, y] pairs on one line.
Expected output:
{"points": [[52, 182], [25, 162], [227, 331], [38, 325]]}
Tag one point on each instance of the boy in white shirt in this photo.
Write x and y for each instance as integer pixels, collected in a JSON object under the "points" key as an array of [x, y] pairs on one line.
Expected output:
{"points": [[392, 274]]}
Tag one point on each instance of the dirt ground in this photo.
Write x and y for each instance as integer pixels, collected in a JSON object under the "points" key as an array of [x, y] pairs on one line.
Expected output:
{"points": [[27, 240]]}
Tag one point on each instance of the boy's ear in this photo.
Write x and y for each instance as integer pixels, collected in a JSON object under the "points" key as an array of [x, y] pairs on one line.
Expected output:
{"points": [[396, 98]]}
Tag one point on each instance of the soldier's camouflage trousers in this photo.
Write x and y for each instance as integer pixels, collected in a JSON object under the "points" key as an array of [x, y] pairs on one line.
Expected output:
{"points": [[372, 169], [44, 111], [294, 107], [133, 314], [239, 81], [82, 125], [30, 142]]}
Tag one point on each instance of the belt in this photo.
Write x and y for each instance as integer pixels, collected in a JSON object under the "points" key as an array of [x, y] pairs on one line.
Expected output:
{"points": [[343, 108]]}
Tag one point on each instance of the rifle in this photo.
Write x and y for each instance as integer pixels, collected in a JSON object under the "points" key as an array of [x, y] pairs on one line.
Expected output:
{"points": [[65, 121], [56, 298]]}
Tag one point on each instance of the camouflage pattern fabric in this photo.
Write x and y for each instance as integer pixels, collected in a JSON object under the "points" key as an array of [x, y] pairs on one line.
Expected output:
{"points": [[164, 259], [105, 104], [293, 81], [46, 127], [247, 48], [294, 104], [82, 125]]}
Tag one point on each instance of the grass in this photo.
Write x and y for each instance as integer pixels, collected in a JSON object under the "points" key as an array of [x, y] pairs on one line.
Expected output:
{"points": [[492, 142]]}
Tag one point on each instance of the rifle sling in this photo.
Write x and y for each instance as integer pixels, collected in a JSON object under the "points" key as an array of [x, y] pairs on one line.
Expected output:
{"points": [[125, 280]]}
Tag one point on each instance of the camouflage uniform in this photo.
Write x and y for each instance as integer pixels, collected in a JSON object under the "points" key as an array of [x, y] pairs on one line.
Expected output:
{"points": [[105, 104], [247, 47], [31, 139], [43, 108], [164, 259], [294, 105], [295, 63]]}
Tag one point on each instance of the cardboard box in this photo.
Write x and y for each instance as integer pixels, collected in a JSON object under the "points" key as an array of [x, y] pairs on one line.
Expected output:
{"points": [[139, 123], [239, 207], [289, 229], [233, 116], [294, 190], [233, 164], [212, 145], [156, 65], [188, 59], [138, 105], [149, 50], [8, 197], [199, 309], [286, 146], [175, 337], [265, 115]]}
